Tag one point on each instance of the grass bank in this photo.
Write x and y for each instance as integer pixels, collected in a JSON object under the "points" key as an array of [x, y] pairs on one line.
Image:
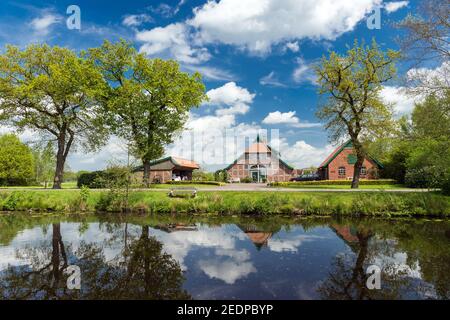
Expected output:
{"points": [[232, 203]]}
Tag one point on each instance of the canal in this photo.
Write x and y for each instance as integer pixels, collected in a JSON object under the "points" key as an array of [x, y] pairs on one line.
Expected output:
{"points": [[188, 257]]}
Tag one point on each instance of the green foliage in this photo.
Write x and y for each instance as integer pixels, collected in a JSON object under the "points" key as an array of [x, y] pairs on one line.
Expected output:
{"points": [[148, 101], [221, 176], [354, 108], [199, 175], [235, 203], [420, 153], [53, 91], [377, 182], [246, 180], [187, 182], [16, 162], [44, 163], [90, 179], [113, 176]]}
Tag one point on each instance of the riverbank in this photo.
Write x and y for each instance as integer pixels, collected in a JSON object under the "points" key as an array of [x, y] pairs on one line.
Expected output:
{"points": [[231, 203]]}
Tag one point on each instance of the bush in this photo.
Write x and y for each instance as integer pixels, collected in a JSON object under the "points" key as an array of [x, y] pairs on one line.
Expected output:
{"points": [[90, 179], [333, 182], [102, 179], [246, 180], [187, 182]]}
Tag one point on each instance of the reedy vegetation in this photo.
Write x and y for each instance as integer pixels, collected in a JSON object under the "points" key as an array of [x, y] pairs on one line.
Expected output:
{"points": [[230, 203]]}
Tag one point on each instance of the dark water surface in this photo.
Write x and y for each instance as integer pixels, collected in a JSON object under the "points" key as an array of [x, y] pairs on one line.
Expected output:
{"points": [[222, 258]]}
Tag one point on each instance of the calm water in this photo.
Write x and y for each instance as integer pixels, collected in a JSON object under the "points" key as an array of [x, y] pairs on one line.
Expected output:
{"points": [[231, 258]]}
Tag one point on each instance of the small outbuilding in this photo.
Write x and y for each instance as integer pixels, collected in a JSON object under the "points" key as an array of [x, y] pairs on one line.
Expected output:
{"points": [[339, 165], [168, 169]]}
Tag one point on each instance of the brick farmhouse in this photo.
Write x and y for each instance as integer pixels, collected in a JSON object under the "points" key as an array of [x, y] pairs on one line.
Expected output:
{"points": [[260, 163], [340, 165]]}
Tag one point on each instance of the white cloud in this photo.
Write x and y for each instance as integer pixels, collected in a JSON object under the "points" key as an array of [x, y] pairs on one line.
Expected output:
{"points": [[212, 73], [232, 98], [427, 81], [303, 72], [288, 118], [135, 20], [301, 154], [228, 271], [256, 25], [278, 117], [42, 24], [164, 10], [293, 46], [174, 40], [271, 80], [402, 104], [395, 5], [290, 242]]}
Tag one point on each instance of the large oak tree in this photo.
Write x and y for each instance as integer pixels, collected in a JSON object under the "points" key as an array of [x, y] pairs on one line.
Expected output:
{"points": [[351, 84], [148, 100], [52, 90]]}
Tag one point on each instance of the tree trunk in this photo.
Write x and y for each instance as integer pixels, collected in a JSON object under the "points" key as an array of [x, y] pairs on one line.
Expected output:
{"points": [[146, 178], [360, 156], [60, 160], [61, 156]]}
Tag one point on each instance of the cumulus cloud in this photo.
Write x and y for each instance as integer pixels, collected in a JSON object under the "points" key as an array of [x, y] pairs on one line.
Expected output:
{"points": [[135, 20], [278, 117], [173, 40], [231, 98], [256, 25], [300, 154], [228, 271], [402, 103], [395, 5], [42, 25], [288, 118]]}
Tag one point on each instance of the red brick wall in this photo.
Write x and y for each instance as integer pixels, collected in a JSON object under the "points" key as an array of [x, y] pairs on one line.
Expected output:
{"points": [[342, 161], [283, 173]]}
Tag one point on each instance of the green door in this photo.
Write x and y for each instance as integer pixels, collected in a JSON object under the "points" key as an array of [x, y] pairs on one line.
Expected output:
{"points": [[255, 176]]}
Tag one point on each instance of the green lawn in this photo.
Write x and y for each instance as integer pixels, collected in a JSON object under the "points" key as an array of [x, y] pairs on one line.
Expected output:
{"points": [[231, 203], [329, 186], [170, 186], [65, 185]]}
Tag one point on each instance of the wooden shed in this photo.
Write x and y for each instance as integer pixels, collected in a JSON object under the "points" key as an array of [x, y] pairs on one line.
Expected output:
{"points": [[168, 169]]}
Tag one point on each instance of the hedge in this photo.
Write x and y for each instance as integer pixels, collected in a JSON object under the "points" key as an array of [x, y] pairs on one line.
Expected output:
{"points": [[212, 183], [101, 179], [332, 182]]}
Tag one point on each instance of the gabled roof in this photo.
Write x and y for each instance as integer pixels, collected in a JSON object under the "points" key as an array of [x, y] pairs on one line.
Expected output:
{"points": [[259, 146], [179, 162], [338, 150]]}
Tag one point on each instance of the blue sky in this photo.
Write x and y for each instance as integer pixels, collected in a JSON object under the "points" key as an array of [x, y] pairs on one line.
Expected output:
{"points": [[255, 56]]}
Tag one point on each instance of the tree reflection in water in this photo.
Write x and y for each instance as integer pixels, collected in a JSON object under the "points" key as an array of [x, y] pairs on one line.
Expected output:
{"points": [[141, 271], [347, 280]]}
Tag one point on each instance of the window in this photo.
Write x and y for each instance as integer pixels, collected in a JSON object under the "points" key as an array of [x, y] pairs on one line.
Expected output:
{"points": [[363, 171], [341, 171]]}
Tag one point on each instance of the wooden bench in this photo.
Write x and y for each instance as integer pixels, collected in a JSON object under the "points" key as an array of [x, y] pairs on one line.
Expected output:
{"points": [[183, 192]]}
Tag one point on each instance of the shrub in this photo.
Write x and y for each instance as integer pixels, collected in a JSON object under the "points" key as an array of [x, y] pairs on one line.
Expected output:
{"points": [[104, 178], [90, 179], [333, 182], [246, 180], [187, 182]]}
